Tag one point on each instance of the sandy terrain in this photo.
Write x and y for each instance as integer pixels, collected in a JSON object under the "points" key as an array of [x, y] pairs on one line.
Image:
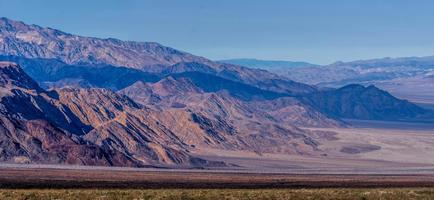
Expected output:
{"points": [[398, 143], [370, 154], [368, 147]]}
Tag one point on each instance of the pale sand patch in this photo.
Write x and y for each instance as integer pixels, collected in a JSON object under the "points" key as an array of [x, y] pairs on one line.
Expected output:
{"points": [[406, 146], [400, 149]]}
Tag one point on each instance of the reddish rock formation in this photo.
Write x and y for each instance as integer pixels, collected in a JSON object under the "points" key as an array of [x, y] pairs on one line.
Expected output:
{"points": [[100, 127]]}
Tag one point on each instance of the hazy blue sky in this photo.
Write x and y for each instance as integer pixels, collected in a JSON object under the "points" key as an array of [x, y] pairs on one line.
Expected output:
{"points": [[320, 31]]}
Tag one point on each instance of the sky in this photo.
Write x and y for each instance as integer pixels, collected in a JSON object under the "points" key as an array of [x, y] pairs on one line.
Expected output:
{"points": [[317, 31]]}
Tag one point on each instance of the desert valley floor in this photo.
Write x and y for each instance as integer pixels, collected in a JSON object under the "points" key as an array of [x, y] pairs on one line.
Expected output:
{"points": [[366, 148], [369, 146]]}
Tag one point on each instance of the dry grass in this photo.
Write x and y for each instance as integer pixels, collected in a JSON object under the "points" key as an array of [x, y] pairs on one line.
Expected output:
{"points": [[211, 194]]}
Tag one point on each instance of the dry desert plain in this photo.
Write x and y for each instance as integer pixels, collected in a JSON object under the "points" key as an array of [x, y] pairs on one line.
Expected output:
{"points": [[368, 147]]}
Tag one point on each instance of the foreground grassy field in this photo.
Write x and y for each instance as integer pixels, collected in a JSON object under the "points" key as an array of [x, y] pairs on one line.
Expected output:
{"points": [[211, 194]]}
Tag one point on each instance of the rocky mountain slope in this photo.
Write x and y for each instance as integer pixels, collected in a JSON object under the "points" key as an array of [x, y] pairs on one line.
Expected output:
{"points": [[33, 129], [100, 127], [20, 40], [73, 126], [181, 92], [368, 103], [32, 41], [116, 103], [404, 77], [52, 58], [51, 73]]}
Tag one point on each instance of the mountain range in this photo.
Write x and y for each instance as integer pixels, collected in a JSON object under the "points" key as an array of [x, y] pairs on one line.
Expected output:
{"points": [[407, 77], [80, 100], [270, 65]]}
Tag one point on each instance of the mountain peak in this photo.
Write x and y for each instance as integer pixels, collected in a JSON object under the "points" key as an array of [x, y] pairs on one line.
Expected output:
{"points": [[353, 87], [356, 101], [4, 64], [11, 75], [4, 20], [12, 25], [31, 41], [357, 88], [373, 87]]}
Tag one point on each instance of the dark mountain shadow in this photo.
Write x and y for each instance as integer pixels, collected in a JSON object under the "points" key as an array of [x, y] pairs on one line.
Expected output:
{"points": [[102, 76], [367, 103], [211, 83]]}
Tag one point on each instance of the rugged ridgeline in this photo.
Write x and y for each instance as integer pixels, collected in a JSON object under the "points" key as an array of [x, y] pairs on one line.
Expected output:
{"points": [[181, 92], [31, 126], [407, 77], [99, 127], [120, 103], [46, 55], [57, 59], [20, 40], [58, 127], [344, 73], [368, 103], [32, 41]]}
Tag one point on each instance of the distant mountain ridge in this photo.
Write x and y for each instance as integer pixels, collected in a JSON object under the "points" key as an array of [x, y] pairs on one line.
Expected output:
{"points": [[270, 65], [419, 62], [37, 50], [404, 77], [361, 71], [29, 42], [32, 41]]}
